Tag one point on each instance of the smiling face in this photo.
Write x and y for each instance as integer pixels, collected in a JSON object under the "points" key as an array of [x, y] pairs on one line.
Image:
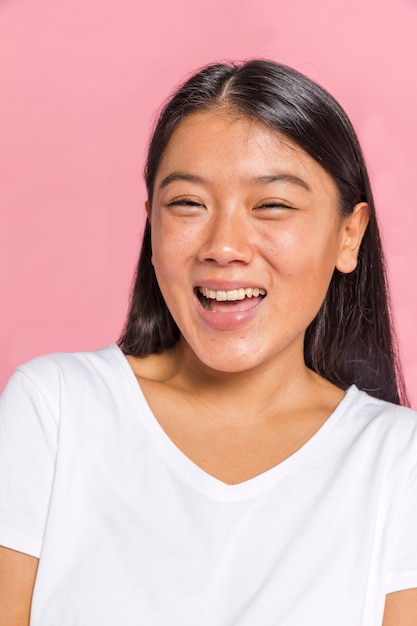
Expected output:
{"points": [[246, 234]]}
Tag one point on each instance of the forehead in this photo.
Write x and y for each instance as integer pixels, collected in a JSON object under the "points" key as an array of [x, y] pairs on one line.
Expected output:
{"points": [[222, 127], [225, 145]]}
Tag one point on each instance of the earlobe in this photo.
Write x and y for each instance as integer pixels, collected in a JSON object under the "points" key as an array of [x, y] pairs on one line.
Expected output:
{"points": [[353, 230]]}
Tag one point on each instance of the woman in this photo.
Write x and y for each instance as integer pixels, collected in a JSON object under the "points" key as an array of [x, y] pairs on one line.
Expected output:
{"points": [[241, 457]]}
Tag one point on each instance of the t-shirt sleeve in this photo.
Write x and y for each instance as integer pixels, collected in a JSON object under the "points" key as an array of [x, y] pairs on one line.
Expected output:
{"points": [[402, 566], [28, 443]]}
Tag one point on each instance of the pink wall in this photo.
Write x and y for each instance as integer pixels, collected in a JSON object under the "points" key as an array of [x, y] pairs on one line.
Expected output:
{"points": [[80, 81]]}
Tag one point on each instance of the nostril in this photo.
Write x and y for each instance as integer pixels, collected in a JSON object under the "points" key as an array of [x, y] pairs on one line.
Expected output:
{"points": [[225, 244], [226, 255]]}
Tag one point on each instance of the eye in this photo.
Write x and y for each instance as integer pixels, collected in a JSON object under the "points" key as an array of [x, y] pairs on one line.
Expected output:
{"points": [[186, 205], [272, 206], [184, 202]]}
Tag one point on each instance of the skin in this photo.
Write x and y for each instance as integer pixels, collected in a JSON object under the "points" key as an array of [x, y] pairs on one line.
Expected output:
{"points": [[216, 220], [219, 219], [229, 227], [401, 608], [237, 205], [17, 579], [237, 231]]}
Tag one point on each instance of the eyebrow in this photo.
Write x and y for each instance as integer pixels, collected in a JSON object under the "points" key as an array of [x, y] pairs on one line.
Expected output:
{"points": [[281, 177], [257, 180], [171, 178]]}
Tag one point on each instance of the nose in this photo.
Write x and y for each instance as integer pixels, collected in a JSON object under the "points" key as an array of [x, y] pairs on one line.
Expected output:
{"points": [[227, 238]]}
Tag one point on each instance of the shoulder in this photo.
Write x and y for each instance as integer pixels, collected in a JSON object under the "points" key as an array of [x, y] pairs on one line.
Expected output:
{"points": [[49, 375], [60, 388], [66, 362], [382, 425], [372, 409]]}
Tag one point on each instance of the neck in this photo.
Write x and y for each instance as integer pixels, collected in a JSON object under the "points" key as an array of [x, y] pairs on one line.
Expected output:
{"points": [[278, 386]]}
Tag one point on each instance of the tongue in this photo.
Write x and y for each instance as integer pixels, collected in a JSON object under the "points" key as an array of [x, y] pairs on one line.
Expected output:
{"points": [[235, 305]]}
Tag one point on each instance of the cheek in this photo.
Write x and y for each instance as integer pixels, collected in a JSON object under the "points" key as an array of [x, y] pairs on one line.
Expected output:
{"points": [[173, 236], [170, 255], [307, 254], [287, 249], [164, 260], [164, 243]]}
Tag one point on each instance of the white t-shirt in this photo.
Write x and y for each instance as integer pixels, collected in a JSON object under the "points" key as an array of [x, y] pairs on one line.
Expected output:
{"points": [[130, 532]]}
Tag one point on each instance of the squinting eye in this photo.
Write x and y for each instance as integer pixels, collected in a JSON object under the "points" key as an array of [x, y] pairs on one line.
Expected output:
{"points": [[273, 205], [184, 202], [185, 207]]}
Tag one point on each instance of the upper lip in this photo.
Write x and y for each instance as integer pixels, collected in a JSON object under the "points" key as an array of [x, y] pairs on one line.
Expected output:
{"points": [[222, 285]]}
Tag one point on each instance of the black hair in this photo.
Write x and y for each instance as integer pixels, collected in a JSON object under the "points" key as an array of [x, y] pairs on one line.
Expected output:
{"points": [[351, 340]]}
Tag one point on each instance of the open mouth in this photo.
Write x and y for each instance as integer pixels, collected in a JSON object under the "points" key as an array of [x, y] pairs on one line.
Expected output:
{"points": [[210, 297]]}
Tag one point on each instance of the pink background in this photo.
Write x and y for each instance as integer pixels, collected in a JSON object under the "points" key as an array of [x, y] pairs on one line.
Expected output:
{"points": [[80, 81]]}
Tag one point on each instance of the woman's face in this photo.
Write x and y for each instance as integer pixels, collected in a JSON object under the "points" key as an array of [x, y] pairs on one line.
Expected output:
{"points": [[246, 234]]}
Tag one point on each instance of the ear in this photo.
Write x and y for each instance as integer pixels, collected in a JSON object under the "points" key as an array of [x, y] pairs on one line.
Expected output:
{"points": [[148, 210], [353, 229]]}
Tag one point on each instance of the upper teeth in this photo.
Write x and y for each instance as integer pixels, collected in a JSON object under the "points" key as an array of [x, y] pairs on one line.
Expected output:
{"points": [[233, 294]]}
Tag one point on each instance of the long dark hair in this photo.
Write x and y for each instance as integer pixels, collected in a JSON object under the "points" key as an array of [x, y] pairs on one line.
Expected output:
{"points": [[351, 340]]}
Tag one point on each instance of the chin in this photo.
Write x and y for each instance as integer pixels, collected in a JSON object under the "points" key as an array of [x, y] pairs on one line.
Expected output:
{"points": [[229, 361]]}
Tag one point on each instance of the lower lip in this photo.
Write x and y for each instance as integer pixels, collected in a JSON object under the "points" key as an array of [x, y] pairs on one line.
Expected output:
{"points": [[229, 320]]}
